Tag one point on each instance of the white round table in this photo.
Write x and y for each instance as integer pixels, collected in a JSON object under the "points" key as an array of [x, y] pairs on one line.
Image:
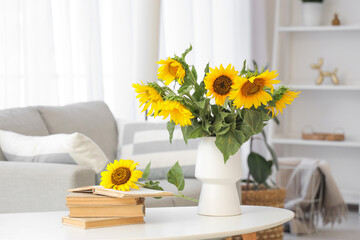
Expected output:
{"points": [[161, 223]]}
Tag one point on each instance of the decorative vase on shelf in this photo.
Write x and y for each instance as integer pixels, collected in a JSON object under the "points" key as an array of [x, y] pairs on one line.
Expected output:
{"points": [[219, 195], [312, 13]]}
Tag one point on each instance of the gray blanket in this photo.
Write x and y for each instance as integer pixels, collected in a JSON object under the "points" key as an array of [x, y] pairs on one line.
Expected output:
{"points": [[311, 192]]}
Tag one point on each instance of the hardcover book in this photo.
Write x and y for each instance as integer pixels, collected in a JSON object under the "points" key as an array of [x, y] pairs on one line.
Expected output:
{"points": [[87, 223]]}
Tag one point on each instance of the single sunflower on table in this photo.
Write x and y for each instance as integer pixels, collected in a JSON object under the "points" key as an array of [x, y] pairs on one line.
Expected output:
{"points": [[219, 82], [121, 175], [250, 92]]}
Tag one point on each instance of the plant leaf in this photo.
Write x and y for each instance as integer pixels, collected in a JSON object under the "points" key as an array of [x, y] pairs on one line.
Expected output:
{"points": [[192, 131], [259, 168], [175, 176], [153, 185], [171, 127], [184, 89], [146, 172], [227, 144], [186, 52], [193, 71], [254, 119]]}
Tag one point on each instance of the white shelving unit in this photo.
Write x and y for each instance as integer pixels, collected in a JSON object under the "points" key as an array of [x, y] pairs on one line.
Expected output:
{"points": [[325, 88], [323, 107]]}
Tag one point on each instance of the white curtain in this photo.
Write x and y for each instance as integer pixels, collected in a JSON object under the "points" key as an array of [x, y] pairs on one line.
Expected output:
{"points": [[50, 52], [55, 52]]}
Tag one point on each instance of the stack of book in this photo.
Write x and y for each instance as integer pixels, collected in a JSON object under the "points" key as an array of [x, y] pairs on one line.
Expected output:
{"points": [[94, 206]]}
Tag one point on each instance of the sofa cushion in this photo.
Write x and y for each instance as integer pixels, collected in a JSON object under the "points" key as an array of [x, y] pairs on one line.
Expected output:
{"points": [[93, 119], [146, 142], [73, 148], [25, 121]]}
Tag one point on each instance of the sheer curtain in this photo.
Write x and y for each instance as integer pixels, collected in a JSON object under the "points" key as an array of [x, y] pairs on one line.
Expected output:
{"points": [[55, 52]]}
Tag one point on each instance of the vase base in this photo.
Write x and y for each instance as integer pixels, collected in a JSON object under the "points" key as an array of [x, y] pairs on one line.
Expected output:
{"points": [[219, 200]]}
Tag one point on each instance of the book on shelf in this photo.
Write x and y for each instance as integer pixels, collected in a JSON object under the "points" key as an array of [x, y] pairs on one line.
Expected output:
{"points": [[75, 198], [142, 192], [87, 223], [106, 211]]}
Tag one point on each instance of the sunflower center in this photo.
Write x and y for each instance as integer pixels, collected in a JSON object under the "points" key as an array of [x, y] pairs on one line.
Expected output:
{"points": [[222, 85], [120, 176], [249, 88]]}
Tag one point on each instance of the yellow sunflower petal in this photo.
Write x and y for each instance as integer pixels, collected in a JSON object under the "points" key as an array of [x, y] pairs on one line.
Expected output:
{"points": [[178, 113], [250, 92], [171, 70], [286, 99]]}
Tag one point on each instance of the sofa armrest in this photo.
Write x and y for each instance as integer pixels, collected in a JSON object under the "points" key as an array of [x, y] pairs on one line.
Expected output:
{"points": [[35, 187]]}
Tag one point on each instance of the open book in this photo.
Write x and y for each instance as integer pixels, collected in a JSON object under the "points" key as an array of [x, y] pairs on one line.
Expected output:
{"points": [[142, 192]]}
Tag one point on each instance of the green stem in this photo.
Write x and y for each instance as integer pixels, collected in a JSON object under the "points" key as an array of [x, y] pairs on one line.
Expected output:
{"points": [[140, 184], [192, 76], [185, 197]]}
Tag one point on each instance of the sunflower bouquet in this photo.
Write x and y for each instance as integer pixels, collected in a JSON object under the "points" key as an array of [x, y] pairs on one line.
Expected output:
{"points": [[227, 104]]}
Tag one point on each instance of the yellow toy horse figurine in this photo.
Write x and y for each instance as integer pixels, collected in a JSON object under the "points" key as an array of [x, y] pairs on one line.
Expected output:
{"points": [[322, 74]]}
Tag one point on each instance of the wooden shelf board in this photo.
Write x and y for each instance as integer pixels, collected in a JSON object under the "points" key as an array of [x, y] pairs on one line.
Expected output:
{"points": [[318, 28], [297, 141], [326, 87]]}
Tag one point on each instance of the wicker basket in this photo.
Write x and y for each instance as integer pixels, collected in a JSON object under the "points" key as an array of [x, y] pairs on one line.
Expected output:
{"points": [[266, 197]]}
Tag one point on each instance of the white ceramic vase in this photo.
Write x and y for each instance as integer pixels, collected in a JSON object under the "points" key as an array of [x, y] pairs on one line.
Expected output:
{"points": [[219, 195], [312, 13]]}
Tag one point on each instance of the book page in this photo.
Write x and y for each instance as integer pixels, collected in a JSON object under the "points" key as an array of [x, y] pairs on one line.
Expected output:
{"points": [[142, 192]]}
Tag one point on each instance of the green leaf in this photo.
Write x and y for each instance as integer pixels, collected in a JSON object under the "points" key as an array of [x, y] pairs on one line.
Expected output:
{"points": [[223, 130], [255, 120], [259, 168], [215, 109], [193, 71], [271, 150], [192, 131], [171, 127], [153, 185], [186, 52], [227, 144], [201, 103], [207, 69], [196, 133], [175, 176], [184, 89], [146, 172], [243, 70]]}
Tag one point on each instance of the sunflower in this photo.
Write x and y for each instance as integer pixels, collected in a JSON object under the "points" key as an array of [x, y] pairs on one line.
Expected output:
{"points": [[148, 96], [121, 175], [250, 92], [171, 70], [219, 82], [179, 114], [285, 98]]}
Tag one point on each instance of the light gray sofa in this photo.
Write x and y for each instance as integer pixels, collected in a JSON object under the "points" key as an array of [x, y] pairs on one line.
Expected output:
{"points": [[30, 186]]}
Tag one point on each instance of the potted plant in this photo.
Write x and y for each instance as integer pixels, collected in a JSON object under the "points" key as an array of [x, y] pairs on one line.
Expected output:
{"points": [[312, 12], [225, 109], [259, 189]]}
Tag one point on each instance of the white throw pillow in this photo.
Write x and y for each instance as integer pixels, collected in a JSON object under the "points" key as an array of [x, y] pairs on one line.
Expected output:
{"points": [[73, 148]]}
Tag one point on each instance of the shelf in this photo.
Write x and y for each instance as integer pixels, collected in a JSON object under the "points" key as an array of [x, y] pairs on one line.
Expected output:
{"points": [[326, 87], [319, 28], [297, 141]]}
